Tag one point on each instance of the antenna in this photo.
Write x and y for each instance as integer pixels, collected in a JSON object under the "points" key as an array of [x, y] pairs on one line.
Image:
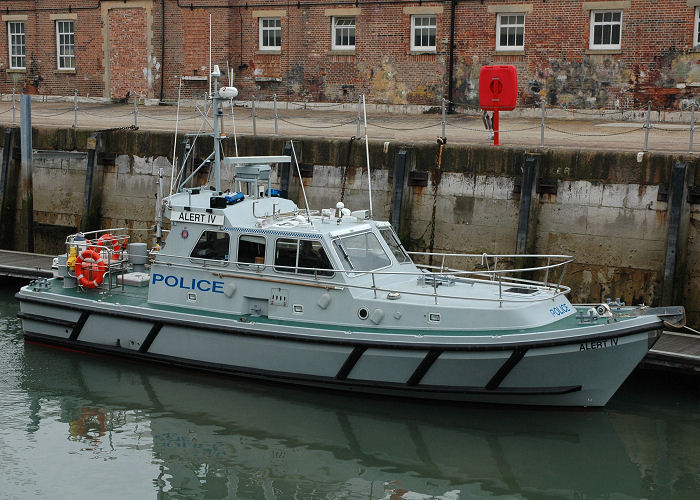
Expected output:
{"points": [[177, 121], [369, 175], [303, 191]]}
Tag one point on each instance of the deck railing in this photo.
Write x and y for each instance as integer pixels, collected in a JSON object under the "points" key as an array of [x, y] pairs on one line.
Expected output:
{"points": [[378, 280]]}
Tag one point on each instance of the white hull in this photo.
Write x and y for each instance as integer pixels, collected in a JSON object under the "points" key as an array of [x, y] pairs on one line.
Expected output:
{"points": [[581, 370]]}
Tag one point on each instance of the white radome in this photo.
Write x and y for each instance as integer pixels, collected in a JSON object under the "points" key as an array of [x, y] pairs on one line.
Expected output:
{"points": [[228, 92]]}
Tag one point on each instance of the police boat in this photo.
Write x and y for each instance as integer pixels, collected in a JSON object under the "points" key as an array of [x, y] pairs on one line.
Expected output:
{"points": [[249, 284]]}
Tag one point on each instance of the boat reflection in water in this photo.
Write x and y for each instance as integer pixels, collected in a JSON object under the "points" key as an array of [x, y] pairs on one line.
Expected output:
{"points": [[224, 438]]}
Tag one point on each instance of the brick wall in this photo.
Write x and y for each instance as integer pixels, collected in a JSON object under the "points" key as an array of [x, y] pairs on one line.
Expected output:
{"points": [[656, 61], [128, 59]]}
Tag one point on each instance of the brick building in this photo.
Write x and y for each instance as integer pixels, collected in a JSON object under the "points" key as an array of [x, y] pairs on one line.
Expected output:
{"points": [[575, 53]]}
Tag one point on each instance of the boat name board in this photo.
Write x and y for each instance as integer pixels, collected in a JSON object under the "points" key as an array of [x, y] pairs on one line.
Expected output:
{"points": [[188, 284], [599, 344], [198, 218]]}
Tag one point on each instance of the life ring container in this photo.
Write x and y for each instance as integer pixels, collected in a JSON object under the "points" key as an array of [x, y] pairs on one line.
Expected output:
{"points": [[109, 242], [89, 269]]}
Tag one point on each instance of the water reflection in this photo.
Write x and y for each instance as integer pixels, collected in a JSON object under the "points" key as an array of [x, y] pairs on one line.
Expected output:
{"points": [[219, 438]]}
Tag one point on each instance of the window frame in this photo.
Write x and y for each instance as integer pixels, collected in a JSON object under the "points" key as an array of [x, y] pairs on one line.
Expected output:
{"points": [[209, 260], [696, 28], [263, 29], [338, 244], [499, 27], [422, 48], [405, 258], [335, 28], [320, 272], [10, 45], [257, 266], [70, 57], [593, 24]]}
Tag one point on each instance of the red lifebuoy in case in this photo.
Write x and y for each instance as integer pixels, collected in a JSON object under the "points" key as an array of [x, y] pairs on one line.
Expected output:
{"points": [[109, 242], [89, 269]]}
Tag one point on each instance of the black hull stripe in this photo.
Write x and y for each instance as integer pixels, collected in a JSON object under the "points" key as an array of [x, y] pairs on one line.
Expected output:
{"points": [[505, 369], [429, 391], [423, 367], [44, 319], [418, 346], [350, 363], [79, 326], [152, 334]]}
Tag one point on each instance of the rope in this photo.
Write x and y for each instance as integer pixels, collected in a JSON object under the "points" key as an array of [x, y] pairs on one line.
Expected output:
{"points": [[694, 331], [404, 129], [98, 115], [319, 127], [305, 105], [144, 115], [69, 110], [594, 135]]}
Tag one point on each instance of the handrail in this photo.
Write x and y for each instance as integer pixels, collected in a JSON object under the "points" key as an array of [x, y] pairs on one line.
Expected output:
{"points": [[313, 277]]}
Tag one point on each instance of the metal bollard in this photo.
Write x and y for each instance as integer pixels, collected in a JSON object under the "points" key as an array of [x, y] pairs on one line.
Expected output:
{"points": [[274, 97], [647, 126], [253, 106], [444, 120], [542, 127], [692, 126], [75, 109]]}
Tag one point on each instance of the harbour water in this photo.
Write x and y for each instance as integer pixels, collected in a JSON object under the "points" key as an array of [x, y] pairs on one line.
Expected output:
{"points": [[79, 426]]}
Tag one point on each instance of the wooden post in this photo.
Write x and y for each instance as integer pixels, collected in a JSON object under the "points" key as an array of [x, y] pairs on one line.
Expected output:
{"points": [[677, 236]]}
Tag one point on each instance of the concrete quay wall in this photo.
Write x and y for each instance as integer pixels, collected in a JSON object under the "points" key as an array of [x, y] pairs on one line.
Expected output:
{"points": [[612, 211]]}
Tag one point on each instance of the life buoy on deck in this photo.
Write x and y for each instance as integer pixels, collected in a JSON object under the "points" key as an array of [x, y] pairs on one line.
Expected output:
{"points": [[89, 269], [108, 242]]}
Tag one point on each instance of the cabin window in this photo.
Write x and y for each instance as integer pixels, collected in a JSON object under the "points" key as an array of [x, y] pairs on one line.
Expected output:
{"points": [[302, 257], [394, 245], [361, 252], [251, 249], [212, 245]]}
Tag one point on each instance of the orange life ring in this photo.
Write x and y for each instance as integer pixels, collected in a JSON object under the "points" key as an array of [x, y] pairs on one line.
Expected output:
{"points": [[91, 273], [109, 242]]}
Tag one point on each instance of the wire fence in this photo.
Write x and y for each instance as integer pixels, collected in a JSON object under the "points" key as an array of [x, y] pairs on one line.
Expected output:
{"points": [[457, 117]]}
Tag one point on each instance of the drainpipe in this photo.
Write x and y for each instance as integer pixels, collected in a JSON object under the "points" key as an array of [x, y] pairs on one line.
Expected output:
{"points": [[450, 72], [162, 48]]}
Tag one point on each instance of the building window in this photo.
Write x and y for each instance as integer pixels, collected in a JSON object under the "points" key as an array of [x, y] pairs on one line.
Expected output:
{"points": [[16, 43], [510, 32], [270, 33], [606, 29], [423, 30], [65, 44], [343, 33], [696, 31]]}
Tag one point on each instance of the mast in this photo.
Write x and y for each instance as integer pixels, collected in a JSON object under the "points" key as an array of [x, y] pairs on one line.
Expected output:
{"points": [[217, 138]]}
